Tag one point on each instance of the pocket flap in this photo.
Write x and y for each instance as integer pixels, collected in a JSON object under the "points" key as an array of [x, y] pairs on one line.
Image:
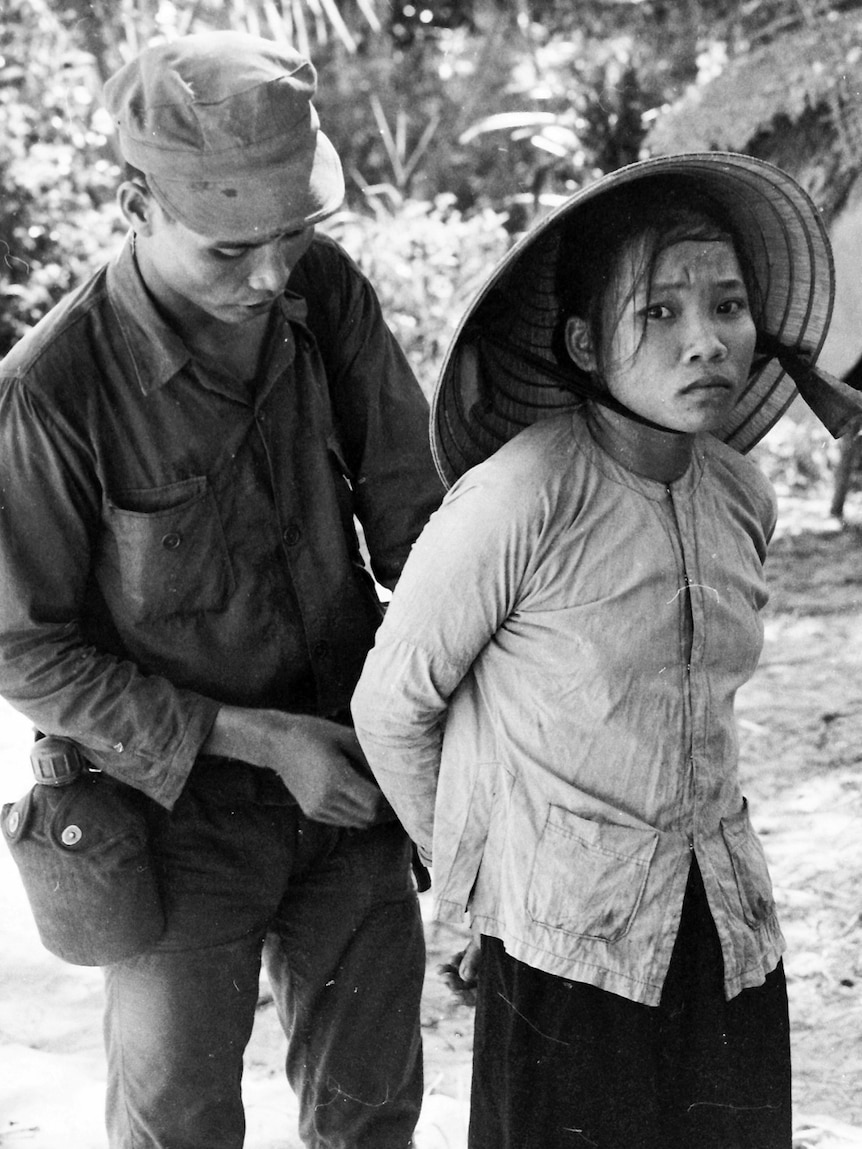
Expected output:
{"points": [[589, 876]]}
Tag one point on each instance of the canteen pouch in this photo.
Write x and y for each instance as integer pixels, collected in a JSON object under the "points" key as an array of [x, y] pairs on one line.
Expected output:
{"points": [[83, 854]]}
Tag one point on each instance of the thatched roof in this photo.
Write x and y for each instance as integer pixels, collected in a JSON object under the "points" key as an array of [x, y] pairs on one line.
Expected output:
{"points": [[796, 101], [816, 68]]}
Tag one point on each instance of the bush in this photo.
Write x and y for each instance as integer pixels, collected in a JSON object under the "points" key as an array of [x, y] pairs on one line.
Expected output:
{"points": [[426, 261], [57, 215], [798, 455]]}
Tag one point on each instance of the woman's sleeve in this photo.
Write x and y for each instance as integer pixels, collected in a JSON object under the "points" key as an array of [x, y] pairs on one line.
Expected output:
{"points": [[458, 586]]}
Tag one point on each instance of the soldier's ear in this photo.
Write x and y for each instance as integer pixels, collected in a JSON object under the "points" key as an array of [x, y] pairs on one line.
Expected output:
{"points": [[579, 344], [136, 202]]}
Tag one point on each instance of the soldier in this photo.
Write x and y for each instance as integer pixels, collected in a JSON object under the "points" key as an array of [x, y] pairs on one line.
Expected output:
{"points": [[184, 443]]}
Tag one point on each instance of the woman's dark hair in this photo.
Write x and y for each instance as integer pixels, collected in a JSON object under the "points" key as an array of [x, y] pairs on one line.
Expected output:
{"points": [[662, 211]]}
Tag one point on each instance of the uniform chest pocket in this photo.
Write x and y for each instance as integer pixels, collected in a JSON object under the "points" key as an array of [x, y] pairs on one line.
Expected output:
{"points": [[166, 552], [589, 877]]}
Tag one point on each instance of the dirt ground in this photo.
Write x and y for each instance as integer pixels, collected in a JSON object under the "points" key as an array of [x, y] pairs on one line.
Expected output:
{"points": [[801, 749], [801, 740]]}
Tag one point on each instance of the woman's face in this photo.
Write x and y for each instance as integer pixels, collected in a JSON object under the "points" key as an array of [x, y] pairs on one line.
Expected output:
{"points": [[679, 350]]}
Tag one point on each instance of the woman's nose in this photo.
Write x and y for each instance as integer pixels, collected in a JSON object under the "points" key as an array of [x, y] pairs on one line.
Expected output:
{"points": [[704, 341]]}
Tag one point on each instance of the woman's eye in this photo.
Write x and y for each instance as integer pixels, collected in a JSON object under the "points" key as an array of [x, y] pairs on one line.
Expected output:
{"points": [[657, 311], [732, 306]]}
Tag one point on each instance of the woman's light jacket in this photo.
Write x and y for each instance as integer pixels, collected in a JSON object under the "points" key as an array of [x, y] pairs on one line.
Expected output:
{"points": [[549, 706]]}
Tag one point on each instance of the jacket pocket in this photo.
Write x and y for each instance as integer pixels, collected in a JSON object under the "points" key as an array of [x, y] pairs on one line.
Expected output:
{"points": [[168, 554], [589, 877], [750, 869]]}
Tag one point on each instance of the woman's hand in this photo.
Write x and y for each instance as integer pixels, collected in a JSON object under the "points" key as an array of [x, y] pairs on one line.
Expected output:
{"points": [[461, 974], [468, 967]]}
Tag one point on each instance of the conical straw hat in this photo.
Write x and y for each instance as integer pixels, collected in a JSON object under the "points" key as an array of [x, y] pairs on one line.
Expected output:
{"points": [[501, 372]]}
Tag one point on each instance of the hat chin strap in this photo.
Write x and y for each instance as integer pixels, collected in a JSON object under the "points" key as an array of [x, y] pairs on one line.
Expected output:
{"points": [[613, 404], [836, 404], [597, 393], [580, 385], [641, 446]]}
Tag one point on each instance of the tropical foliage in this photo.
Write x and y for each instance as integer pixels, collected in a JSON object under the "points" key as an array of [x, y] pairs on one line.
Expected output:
{"points": [[458, 121]]}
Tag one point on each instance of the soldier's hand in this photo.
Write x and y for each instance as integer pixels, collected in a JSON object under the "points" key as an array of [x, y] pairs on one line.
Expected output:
{"points": [[320, 762], [323, 766]]}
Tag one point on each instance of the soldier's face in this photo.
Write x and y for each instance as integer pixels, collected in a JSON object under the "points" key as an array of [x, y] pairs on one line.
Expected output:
{"points": [[230, 279]]}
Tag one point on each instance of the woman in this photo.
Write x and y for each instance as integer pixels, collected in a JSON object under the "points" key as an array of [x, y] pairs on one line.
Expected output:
{"points": [[549, 704]]}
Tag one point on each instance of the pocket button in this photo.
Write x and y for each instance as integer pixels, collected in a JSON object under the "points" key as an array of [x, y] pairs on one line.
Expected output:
{"points": [[71, 836], [171, 541], [12, 822]]}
